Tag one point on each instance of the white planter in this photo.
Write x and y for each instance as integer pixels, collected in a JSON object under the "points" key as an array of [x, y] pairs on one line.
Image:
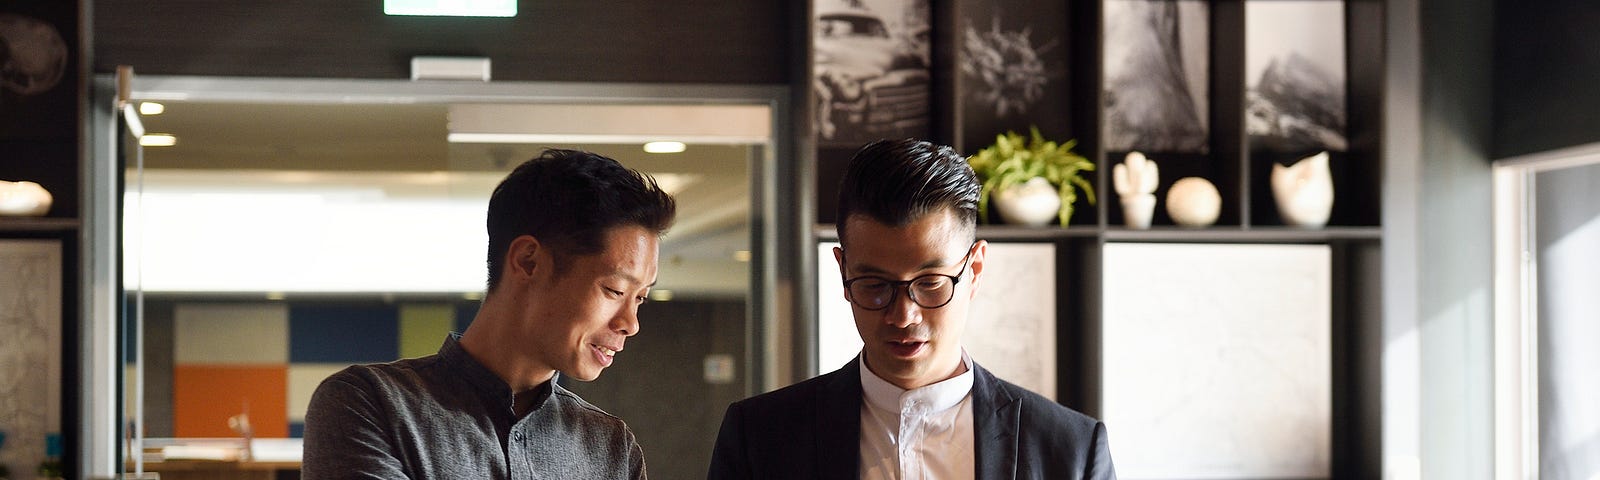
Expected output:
{"points": [[1034, 203], [25, 199], [1137, 210], [1304, 192]]}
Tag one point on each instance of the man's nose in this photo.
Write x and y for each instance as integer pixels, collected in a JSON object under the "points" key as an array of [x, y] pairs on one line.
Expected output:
{"points": [[902, 312], [627, 322]]}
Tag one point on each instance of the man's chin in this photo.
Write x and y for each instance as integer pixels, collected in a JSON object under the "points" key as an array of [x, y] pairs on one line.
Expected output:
{"points": [[582, 376]]}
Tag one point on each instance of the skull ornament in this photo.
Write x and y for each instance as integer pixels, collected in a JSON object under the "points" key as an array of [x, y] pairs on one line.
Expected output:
{"points": [[32, 55]]}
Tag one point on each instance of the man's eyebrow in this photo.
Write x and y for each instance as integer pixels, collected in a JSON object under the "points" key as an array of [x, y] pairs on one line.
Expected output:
{"points": [[632, 279], [873, 269]]}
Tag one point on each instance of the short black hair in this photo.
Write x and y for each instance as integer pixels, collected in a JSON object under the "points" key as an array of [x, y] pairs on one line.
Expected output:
{"points": [[569, 199], [895, 182]]}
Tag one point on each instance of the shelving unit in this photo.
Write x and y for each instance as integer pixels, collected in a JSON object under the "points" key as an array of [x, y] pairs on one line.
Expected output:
{"points": [[1241, 173], [38, 224]]}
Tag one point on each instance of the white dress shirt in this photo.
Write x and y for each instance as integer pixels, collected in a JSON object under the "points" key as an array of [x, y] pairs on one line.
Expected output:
{"points": [[921, 434]]}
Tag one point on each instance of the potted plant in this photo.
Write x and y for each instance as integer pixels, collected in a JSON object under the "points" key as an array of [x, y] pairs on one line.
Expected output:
{"points": [[1031, 178]]}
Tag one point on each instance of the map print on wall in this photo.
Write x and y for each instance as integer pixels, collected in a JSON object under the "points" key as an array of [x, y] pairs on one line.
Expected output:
{"points": [[1295, 76], [30, 349], [1229, 375], [1011, 330]]}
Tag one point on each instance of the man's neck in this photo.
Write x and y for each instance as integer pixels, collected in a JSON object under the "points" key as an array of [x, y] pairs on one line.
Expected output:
{"points": [[488, 341], [912, 384]]}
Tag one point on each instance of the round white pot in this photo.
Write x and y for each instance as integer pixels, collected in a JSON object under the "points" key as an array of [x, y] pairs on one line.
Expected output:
{"points": [[1034, 203], [1193, 202]]}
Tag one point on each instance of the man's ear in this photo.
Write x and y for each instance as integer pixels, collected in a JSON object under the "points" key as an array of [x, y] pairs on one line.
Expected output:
{"points": [[523, 257], [978, 252], [838, 256]]}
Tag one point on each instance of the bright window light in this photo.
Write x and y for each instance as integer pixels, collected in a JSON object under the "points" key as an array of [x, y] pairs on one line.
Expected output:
{"points": [[151, 108], [664, 147], [451, 8], [158, 140]]}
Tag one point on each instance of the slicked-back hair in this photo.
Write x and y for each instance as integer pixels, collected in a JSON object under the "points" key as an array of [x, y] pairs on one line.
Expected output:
{"points": [[896, 182], [568, 200]]}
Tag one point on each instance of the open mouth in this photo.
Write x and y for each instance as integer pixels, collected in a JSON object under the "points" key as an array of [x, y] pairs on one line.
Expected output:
{"points": [[605, 354], [906, 348]]}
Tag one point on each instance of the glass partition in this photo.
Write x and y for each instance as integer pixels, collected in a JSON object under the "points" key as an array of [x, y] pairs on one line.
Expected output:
{"points": [[287, 230]]}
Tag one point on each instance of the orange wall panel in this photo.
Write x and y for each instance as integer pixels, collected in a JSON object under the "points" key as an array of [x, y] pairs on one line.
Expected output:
{"points": [[204, 396]]}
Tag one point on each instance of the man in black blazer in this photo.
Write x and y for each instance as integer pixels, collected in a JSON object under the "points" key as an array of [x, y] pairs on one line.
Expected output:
{"points": [[913, 404]]}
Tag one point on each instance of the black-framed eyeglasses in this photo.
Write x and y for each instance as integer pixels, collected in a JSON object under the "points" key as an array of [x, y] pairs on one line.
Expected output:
{"points": [[933, 290]]}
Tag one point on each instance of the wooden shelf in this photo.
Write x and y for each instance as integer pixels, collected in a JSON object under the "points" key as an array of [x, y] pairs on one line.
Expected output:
{"points": [[827, 233], [1013, 232], [1244, 235], [38, 224]]}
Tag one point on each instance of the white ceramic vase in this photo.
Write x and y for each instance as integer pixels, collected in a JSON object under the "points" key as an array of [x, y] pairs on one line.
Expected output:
{"points": [[1137, 210], [1034, 203], [23, 199], [1193, 202], [1304, 191]]}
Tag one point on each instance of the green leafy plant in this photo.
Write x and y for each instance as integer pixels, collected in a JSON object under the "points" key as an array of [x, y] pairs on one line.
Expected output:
{"points": [[1013, 160]]}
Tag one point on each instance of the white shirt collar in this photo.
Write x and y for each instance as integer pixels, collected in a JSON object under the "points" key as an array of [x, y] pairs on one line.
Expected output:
{"points": [[932, 398]]}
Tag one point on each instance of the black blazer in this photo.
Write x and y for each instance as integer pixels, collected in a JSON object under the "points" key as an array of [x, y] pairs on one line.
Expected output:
{"points": [[811, 430]]}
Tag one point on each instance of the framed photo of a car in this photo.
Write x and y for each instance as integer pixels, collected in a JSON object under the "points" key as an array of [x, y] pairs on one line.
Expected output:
{"points": [[870, 70]]}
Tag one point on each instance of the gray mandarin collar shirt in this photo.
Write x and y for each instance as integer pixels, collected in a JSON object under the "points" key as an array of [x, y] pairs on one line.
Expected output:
{"points": [[448, 416]]}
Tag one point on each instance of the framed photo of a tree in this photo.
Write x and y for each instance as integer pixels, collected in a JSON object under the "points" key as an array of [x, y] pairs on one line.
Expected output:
{"points": [[1157, 76]]}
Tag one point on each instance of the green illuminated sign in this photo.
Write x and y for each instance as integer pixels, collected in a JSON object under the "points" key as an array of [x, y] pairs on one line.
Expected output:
{"points": [[451, 8]]}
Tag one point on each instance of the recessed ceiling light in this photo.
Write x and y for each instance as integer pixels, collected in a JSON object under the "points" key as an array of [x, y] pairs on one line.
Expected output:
{"points": [[661, 295], [151, 108], [664, 147], [158, 140], [451, 8]]}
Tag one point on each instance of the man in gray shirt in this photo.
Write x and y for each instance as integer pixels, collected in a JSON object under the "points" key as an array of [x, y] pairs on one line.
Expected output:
{"points": [[573, 240]]}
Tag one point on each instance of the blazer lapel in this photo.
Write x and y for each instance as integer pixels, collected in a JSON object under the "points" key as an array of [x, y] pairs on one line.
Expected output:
{"points": [[839, 424], [994, 420]]}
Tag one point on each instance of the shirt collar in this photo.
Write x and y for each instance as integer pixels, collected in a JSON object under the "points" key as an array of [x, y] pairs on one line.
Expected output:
{"points": [[484, 380], [936, 397]]}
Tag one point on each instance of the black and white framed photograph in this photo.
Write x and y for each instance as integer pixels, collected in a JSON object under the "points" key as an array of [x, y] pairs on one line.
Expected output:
{"points": [[1295, 76], [1010, 62], [870, 73], [38, 86], [1157, 72]]}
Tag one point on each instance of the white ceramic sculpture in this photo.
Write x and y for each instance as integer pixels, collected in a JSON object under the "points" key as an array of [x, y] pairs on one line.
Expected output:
{"points": [[23, 199], [1135, 179], [1304, 191], [1193, 202], [1035, 202]]}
